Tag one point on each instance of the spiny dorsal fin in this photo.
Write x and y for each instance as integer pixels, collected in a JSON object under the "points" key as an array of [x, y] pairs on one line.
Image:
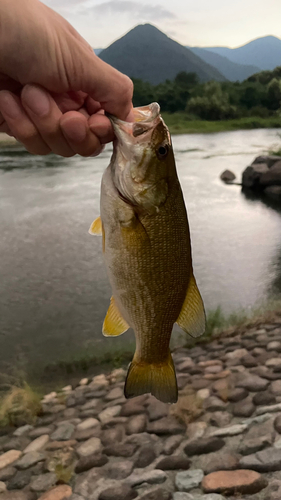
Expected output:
{"points": [[114, 324], [192, 318], [96, 226]]}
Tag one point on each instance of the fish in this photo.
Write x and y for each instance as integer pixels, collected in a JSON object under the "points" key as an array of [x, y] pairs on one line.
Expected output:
{"points": [[147, 251]]}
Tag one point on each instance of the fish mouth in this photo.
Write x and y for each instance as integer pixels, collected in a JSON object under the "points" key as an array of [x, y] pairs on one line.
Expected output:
{"points": [[145, 119]]}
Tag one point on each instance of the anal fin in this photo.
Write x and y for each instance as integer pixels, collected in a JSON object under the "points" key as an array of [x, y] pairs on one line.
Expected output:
{"points": [[96, 227], [192, 318], [114, 324]]}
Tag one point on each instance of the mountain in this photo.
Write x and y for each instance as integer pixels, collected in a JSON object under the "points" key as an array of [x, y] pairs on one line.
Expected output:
{"points": [[229, 69], [147, 53], [263, 52]]}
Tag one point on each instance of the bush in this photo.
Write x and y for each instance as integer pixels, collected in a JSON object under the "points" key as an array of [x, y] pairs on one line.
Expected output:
{"points": [[20, 406]]}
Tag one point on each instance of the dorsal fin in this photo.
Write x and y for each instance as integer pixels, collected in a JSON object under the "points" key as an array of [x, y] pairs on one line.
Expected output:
{"points": [[192, 318], [96, 226], [114, 324]]}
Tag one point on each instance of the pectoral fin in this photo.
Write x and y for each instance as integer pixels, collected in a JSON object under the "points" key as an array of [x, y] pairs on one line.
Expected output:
{"points": [[114, 324], [96, 226], [192, 318]]}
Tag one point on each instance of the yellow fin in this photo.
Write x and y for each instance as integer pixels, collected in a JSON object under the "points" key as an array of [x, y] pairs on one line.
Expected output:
{"points": [[96, 226], [114, 324], [192, 318], [159, 379]]}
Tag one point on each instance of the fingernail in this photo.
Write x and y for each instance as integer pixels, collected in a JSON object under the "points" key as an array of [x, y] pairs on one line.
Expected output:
{"points": [[75, 130], [37, 100], [9, 105]]}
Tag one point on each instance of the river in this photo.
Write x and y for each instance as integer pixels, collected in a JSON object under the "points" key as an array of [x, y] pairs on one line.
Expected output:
{"points": [[54, 289]]}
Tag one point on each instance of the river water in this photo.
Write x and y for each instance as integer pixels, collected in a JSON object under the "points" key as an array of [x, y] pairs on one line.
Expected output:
{"points": [[54, 291]]}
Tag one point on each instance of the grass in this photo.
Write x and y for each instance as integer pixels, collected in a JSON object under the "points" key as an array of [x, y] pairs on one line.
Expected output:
{"points": [[180, 123], [19, 406]]}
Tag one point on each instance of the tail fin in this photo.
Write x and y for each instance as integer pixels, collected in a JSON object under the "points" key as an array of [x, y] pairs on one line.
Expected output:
{"points": [[159, 379]]}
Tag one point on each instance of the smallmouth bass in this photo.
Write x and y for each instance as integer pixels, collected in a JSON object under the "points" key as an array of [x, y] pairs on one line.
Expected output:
{"points": [[147, 251]]}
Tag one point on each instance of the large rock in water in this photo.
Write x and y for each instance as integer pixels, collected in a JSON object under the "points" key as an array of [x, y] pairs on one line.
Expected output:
{"points": [[270, 160], [273, 176], [227, 176], [273, 192], [252, 174]]}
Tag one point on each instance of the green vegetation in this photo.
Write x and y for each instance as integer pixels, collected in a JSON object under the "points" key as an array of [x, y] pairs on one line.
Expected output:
{"points": [[20, 405], [190, 106]]}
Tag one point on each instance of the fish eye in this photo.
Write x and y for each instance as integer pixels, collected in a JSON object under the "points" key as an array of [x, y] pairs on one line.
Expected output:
{"points": [[162, 151]]}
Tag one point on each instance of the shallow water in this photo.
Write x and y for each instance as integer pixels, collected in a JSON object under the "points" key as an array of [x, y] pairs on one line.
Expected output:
{"points": [[54, 291]]}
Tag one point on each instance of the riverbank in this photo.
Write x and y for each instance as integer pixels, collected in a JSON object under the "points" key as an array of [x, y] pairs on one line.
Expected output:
{"points": [[221, 439]]}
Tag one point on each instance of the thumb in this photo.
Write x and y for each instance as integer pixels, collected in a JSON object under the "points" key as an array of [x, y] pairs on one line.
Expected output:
{"points": [[105, 84]]}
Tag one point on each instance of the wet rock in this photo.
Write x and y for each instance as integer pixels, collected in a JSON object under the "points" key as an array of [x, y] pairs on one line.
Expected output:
{"points": [[146, 456], [227, 176], [29, 459], [43, 482], [9, 458], [20, 480], [174, 462], [93, 445], [244, 408], [61, 492], [252, 175], [87, 463], [120, 492], [272, 176], [264, 398], [120, 450], [203, 445], [136, 424], [263, 461], [157, 410], [233, 482], [187, 480], [151, 477], [119, 470], [166, 425]]}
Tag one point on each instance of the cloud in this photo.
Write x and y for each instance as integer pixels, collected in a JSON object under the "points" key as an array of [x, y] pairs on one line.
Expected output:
{"points": [[134, 10]]}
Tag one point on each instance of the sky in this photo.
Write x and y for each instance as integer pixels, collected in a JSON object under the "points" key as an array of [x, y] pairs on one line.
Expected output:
{"points": [[203, 23]]}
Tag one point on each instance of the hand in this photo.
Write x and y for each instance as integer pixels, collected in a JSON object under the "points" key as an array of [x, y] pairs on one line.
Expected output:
{"points": [[53, 88]]}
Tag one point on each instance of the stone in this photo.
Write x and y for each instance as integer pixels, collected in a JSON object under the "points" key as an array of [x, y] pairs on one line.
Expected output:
{"points": [[237, 354], [258, 419], [244, 408], [203, 394], [89, 423], [187, 480], [136, 424], [196, 430], [185, 365], [203, 445], [87, 463], [233, 430], [2, 487], [115, 393], [263, 461], [166, 425], [214, 404], [227, 176], [86, 434], [16, 443], [274, 345], [233, 482], [106, 415], [222, 460], [275, 387], [119, 492], [7, 473], [156, 410], [252, 383], [268, 409], [113, 435], [174, 462], [272, 176], [156, 494], [200, 383], [179, 495], [171, 444], [20, 480], [277, 424], [61, 492], [270, 160], [121, 450], [90, 405], [57, 445], [264, 398], [151, 477], [250, 446], [63, 458], [37, 444], [220, 418], [22, 430], [43, 482], [146, 456], [9, 457], [273, 362], [14, 495], [132, 408], [252, 175], [93, 445], [63, 432], [119, 470], [40, 431], [29, 459], [249, 361]]}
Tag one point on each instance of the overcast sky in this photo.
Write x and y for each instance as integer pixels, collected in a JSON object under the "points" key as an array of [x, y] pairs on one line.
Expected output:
{"points": [[190, 22]]}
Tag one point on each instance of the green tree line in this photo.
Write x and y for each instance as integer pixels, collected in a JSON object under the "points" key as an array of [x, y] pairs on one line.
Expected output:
{"points": [[259, 95]]}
